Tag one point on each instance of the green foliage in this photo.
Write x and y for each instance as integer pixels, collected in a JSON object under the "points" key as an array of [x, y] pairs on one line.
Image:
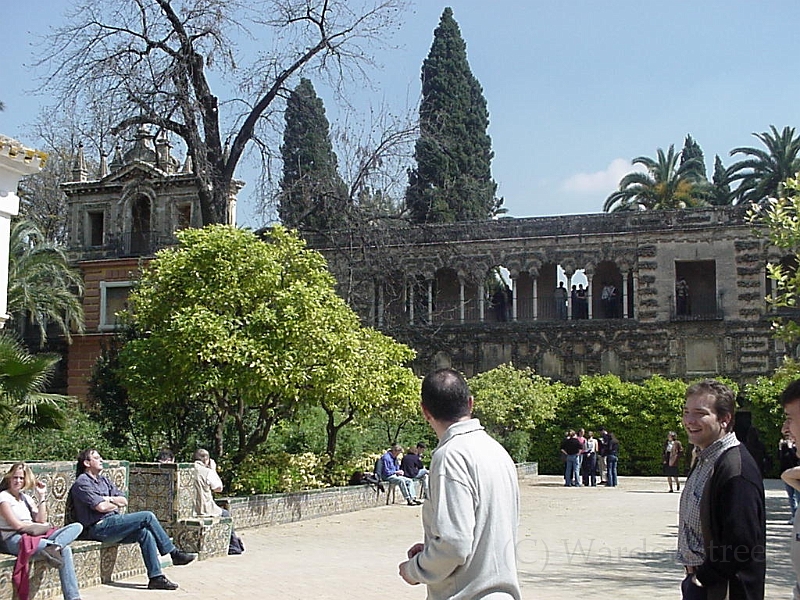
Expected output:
{"points": [[511, 403], [763, 398], [313, 195], [24, 405], [79, 431], [42, 286], [664, 186], [764, 171], [721, 194], [781, 219], [452, 180], [692, 153], [138, 429], [640, 415]]}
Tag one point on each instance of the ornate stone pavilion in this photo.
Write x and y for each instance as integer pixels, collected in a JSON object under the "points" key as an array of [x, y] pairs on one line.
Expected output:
{"points": [[131, 209], [678, 293]]}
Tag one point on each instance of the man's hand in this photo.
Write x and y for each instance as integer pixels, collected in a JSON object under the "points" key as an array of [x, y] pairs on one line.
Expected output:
{"points": [[399, 472], [414, 550], [403, 569]]}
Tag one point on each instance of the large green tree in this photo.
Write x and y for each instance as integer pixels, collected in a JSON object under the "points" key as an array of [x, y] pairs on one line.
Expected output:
{"points": [[251, 328], [42, 286], [763, 172], [453, 178], [313, 195], [665, 185]]}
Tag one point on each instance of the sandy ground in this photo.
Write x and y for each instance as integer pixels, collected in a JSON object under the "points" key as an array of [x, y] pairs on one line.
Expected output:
{"points": [[617, 542]]}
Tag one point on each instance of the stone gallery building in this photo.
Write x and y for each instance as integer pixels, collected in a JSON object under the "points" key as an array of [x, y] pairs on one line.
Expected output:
{"points": [[676, 293]]}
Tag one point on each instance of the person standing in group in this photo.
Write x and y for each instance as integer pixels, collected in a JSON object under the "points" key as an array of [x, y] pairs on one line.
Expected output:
{"points": [[471, 518], [25, 531], [722, 520], [580, 435], [96, 502], [602, 449], [612, 457], [570, 450], [787, 458], [673, 450], [589, 464]]}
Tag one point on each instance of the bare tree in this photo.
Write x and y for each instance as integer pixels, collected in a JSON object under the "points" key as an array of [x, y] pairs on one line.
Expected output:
{"points": [[165, 62]]}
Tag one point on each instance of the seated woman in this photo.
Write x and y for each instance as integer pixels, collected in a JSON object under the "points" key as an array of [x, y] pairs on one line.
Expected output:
{"points": [[21, 516]]}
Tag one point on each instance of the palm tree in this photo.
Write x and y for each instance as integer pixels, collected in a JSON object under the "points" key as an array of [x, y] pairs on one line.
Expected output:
{"points": [[664, 186], [764, 172], [41, 284], [23, 377]]}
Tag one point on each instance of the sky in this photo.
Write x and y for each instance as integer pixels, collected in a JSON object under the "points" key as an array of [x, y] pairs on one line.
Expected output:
{"points": [[575, 90]]}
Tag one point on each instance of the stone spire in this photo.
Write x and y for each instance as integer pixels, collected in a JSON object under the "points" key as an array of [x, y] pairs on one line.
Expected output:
{"points": [[116, 162], [103, 164], [79, 170]]}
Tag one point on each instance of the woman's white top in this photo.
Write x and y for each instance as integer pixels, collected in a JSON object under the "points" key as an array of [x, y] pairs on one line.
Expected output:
{"points": [[18, 508]]}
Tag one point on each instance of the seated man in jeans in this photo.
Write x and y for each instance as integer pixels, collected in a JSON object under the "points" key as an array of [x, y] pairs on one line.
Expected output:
{"points": [[96, 502], [390, 472]]}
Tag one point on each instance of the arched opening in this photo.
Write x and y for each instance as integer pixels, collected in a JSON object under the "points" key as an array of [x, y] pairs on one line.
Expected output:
{"points": [[498, 295], [140, 226], [447, 296], [607, 291]]}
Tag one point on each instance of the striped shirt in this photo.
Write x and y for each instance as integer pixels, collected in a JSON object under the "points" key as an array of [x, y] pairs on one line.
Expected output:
{"points": [[691, 550]]}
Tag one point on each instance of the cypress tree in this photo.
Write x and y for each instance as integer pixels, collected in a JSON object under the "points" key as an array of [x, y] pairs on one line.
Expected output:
{"points": [[313, 195], [691, 150], [721, 194], [453, 179]]}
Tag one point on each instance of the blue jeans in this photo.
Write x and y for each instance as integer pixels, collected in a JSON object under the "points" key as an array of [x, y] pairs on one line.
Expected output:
{"points": [[423, 477], [571, 470], [140, 527], [611, 477], [62, 537], [405, 485]]}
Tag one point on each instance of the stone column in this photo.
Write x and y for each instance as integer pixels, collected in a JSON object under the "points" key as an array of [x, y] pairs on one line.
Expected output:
{"points": [[430, 301], [569, 296], [481, 302], [380, 303], [625, 295], [513, 298], [411, 304], [16, 161], [635, 290], [589, 294], [535, 294], [461, 306]]}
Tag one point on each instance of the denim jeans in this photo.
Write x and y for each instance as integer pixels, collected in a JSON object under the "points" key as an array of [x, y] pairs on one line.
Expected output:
{"points": [[66, 572], [571, 470], [611, 477], [405, 485], [140, 527], [422, 476]]}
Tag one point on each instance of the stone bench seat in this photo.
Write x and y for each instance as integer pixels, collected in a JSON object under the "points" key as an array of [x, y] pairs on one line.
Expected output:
{"points": [[95, 563]]}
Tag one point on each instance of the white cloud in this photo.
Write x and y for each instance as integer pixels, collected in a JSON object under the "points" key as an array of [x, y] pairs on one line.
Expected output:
{"points": [[605, 181]]}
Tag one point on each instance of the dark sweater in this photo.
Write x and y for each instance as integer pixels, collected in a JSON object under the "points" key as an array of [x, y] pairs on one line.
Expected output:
{"points": [[733, 519]]}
